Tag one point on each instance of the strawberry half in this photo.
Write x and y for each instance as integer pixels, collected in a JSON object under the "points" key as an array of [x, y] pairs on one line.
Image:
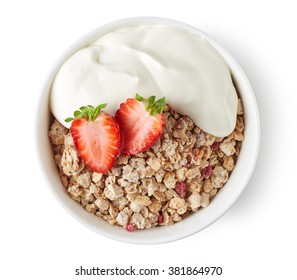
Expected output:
{"points": [[141, 123], [96, 136]]}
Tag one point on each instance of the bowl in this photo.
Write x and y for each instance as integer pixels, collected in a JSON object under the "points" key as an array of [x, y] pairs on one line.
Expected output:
{"points": [[194, 222]]}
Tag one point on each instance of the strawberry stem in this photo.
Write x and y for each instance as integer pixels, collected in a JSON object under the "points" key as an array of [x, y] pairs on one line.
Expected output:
{"points": [[152, 106], [89, 112]]}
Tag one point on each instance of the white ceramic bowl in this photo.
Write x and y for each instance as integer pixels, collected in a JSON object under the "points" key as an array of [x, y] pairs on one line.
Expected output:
{"points": [[195, 222]]}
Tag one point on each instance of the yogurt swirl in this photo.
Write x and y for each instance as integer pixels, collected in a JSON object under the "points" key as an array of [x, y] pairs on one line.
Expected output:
{"points": [[159, 60]]}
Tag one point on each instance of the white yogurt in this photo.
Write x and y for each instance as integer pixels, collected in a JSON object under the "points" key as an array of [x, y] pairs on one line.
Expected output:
{"points": [[149, 60]]}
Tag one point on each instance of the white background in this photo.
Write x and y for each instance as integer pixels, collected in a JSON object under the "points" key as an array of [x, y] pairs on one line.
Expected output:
{"points": [[255, 239]]}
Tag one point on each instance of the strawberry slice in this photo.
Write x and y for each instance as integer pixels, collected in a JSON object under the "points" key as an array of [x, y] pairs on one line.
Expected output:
{"points": [[96, 136], [141, 123]]}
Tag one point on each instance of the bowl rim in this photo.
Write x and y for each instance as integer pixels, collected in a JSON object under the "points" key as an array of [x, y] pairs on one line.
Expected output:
{"points": [[231, 62]]}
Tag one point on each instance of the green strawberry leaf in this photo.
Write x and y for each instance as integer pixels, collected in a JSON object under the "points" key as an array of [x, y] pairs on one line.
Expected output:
{"points": [[152, 106], [89, 112]]}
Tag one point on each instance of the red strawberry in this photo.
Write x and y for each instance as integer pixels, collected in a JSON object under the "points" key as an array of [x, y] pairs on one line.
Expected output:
{"points": [[96, 136], [141, 123]]}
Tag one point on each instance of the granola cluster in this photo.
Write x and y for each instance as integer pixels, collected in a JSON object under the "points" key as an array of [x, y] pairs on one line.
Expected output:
{"points": [[180, 174]]}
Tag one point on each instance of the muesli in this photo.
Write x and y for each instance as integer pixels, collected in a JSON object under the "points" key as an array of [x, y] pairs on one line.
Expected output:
{"points": [[180, 174]]}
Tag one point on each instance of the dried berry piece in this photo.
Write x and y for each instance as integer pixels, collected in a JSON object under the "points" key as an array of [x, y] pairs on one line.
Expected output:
{"points": [[207, 171], [160, 219], [130, 227], [180, 188], [215, 146]]}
